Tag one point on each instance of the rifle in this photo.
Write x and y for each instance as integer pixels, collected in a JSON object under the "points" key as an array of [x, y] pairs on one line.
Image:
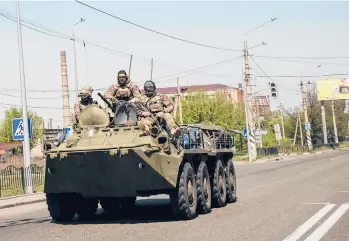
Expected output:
{"points": [[143, 108], [107, 102]]}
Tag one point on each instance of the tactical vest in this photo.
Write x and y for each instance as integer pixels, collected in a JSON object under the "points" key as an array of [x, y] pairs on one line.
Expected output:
{"points": [[123, 93], [155, 104]]}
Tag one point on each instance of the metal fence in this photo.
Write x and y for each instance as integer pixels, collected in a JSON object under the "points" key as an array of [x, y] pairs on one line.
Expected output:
{"points": [[12, 178], [274, 151]]}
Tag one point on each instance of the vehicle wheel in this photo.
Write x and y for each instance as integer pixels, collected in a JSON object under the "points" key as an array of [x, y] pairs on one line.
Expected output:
{"points": [[128, 202], [87, 208], [219, 191], [231, 182], [62, 206], [184, 199], [203, 188], [110, 205]]}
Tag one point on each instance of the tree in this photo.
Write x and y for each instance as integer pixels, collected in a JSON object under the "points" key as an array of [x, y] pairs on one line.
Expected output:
{"points": [[6, 125], [217, 110]]}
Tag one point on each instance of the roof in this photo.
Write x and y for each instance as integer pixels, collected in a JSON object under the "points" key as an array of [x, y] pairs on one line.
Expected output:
{"points": [[9, 145], [210, 87]]}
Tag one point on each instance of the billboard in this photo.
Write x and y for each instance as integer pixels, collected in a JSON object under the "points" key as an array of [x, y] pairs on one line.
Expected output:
{"points": [[332, 89]]}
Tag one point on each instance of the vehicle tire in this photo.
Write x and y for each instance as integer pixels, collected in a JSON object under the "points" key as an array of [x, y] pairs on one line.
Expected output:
{"points": [[87, 208], [219, 191], [110, 205], [203, 189], [231, 182], [128, 202], [62, 206], [184, 199]]}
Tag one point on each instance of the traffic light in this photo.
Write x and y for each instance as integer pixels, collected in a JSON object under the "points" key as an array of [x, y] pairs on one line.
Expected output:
{"points": [[273, 90]]}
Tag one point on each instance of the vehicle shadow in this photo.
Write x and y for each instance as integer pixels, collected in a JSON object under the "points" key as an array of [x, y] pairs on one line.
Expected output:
{"points": [[145, 211]]}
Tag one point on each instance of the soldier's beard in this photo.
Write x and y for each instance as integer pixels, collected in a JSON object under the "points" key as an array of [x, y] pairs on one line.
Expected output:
{"points": [[85, 100]]}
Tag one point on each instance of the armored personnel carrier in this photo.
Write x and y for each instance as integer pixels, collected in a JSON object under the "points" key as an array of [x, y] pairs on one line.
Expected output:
{"points": [[109, 160]]}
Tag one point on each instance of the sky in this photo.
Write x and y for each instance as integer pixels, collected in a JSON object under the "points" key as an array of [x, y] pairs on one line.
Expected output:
{"points": [[302, 29]]}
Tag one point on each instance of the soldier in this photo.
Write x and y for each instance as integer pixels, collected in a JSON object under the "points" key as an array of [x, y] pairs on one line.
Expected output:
{"points": [[124, 89], [85, 95], [160, 105]]}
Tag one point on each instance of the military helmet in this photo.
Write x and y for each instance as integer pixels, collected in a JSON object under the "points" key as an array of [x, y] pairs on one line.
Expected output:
{"points": [[149, 88], [86, 91]]}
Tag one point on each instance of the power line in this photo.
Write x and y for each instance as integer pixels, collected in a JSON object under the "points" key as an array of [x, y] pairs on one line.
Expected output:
{"points": [[270, 76], [302, 76], [299, 61], [32, 98], [157, 32], [294, 57], [61, 35], [34, 107]]}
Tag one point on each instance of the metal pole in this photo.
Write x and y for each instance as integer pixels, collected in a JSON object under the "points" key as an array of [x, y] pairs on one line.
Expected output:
{"points": [[151, 69], [306, 117], [26, 145], [179, 102], [300, 128], [334, 123], [323, 117], [129, 68], [249, 116]]}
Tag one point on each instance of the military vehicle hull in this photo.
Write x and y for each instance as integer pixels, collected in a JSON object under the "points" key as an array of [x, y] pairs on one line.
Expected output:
{"points": [[115, 164], [105, 173]]}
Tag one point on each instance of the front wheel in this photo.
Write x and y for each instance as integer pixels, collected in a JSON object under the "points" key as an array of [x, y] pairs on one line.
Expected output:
{"points": [[87, 208], [184, 199], [62, 206]]}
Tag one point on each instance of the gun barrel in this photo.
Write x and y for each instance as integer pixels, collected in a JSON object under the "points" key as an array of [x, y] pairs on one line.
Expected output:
{"points": [[109, 105]]}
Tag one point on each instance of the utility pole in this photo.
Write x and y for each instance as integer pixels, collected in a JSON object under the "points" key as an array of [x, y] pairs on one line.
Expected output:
{"points": [[306, 116], [300, 128], [65, 91], [249, 116], [260, 142], [295, 133], [26, 145], [151, 69], [129, 67], [179, 102], [334, 123], [282, 124], [323, 117]]}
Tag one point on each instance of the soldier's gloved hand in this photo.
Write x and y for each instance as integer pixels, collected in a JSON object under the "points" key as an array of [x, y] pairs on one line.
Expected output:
{"points": [[159, 115], [145, 113]]}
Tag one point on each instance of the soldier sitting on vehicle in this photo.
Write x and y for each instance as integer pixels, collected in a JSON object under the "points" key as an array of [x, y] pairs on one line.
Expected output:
{"points": [[124, 89], [159, 105], [85, 95]]}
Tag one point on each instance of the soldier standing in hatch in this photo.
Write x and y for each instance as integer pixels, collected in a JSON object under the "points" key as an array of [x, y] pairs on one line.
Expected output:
{"points": [[124, 89], [85, 95], [159, 105]]}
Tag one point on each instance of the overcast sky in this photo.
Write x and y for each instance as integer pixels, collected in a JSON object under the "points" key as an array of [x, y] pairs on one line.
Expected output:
{"points": [[309, 29]]}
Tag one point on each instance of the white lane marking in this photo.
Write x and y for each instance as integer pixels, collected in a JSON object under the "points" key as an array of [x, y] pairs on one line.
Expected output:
{"points": [[314, 203], [335, 158], [328, 224], [299, 232]]}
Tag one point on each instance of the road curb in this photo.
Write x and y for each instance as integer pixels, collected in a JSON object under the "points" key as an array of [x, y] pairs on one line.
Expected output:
{"points": [[12, 205]]}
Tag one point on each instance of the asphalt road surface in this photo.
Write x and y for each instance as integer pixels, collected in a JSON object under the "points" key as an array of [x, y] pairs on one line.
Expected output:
{"points": [[305, 198]]}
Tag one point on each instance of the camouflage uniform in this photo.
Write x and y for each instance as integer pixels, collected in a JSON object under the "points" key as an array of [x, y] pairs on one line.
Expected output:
{"points": [[161, 106], [122, 90], [82, 104]]}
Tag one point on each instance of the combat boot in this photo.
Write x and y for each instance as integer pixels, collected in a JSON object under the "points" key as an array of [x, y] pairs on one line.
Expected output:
{"points": [[144, 128]]}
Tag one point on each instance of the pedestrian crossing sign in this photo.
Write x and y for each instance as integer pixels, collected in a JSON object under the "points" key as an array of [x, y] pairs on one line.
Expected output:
{"points": [[18, 129]]}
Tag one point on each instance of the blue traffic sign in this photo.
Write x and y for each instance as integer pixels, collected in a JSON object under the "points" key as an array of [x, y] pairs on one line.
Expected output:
{"points": [[18, 129], [66, 131], [245, 133]]}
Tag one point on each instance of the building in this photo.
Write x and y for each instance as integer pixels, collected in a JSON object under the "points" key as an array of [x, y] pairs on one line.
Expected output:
{"points": [[6, 149], [236, 95], [261, 105]]}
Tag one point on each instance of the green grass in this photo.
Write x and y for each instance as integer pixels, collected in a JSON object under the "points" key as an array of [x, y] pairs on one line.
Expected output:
{"points": [[11, 185]]}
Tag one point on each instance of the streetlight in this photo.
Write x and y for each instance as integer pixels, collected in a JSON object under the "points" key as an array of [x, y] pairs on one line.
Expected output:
{"points": [[247, 92], [26, 147], [75, 65]]}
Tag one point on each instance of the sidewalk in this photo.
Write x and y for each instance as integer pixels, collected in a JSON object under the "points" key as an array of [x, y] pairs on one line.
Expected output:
{"points": [[8, 202]]}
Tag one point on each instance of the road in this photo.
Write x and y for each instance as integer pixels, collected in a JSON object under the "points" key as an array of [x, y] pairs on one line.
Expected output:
{"points": [[305, 198]]}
